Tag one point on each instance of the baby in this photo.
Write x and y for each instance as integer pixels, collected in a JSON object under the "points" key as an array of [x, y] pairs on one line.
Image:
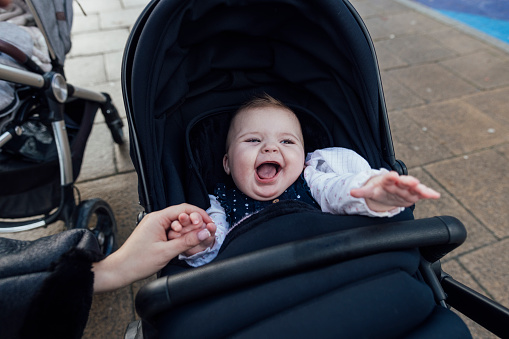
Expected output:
{"points": [[265, 158]]}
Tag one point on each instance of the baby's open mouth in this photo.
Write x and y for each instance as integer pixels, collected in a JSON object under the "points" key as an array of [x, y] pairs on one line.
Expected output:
{"points": [[268, 170]]}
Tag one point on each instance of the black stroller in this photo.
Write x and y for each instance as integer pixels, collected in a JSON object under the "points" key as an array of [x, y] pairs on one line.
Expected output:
{"points": [[286, 271], [44, 127]]}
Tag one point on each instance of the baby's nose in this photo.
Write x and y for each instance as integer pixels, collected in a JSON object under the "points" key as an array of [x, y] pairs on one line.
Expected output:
{"points": [[270, 148]]}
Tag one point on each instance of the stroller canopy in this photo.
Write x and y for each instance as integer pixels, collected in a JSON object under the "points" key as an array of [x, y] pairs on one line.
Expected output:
{"points": [[190, 63], [54, 18]]}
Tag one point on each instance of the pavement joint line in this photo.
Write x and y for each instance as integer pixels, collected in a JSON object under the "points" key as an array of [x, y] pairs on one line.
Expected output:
{"points": [[459, 156], [483, 290], [105, 176], [468, 211], [456, 24]]}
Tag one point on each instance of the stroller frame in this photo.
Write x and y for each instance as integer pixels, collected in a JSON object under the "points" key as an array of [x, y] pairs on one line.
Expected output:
{"points": [[56, 92]]}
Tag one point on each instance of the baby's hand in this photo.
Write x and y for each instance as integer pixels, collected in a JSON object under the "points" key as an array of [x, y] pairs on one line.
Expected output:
{"points": [[388, 191], [185, 223], [189, 222]]}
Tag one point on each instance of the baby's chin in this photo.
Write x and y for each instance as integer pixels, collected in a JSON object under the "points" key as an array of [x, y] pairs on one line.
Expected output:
{"points": [[265, 196]]}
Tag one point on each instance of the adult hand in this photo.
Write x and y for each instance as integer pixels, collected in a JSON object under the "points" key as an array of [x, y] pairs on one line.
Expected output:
{"points": [[148, 249]]}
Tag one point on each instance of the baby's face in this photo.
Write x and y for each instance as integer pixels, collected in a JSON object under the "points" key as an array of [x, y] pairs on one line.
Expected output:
{"points": [[265, 151]]}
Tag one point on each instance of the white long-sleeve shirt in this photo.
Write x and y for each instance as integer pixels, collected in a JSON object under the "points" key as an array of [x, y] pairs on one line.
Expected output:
{"points": [[331, 174]]}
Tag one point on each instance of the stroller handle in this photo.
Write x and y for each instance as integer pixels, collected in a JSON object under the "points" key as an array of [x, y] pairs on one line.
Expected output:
{"points": [[39, 81], [20, 76], [434, 236]]}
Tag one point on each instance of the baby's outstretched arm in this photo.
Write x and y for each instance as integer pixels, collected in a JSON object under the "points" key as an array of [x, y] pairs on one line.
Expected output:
{"points": [[186, 223], [390, 190]]}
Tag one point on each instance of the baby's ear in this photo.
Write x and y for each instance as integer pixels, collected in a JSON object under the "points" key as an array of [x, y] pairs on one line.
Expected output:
{"points": [[226, 165]]}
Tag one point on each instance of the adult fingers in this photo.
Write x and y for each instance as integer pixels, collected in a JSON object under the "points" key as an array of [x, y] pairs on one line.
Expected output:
{"points": [[174, 235]]}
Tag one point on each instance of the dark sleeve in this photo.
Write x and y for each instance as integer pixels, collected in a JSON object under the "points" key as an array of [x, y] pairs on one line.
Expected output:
{"points": [[46, 285]]}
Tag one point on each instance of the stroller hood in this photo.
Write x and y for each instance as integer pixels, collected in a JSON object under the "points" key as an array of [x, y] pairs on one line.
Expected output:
{"points": [[189, 64], [54, 18]]}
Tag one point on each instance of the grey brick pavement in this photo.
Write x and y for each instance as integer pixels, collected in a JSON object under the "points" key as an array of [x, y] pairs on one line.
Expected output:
{"points": [[447, 96]]}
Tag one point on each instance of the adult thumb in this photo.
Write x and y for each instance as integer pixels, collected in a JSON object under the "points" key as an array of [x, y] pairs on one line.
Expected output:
{"points": [[203, 234], [193, 239]]}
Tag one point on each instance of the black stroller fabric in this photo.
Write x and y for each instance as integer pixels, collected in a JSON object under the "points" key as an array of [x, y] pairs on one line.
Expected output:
{"points": [[207, 57], [373, 297], [32, 186], [46, 285], [376, 296], [188, 67]]}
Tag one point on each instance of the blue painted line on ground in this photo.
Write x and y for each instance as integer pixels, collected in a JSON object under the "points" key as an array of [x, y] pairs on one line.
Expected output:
{"points": [[496, 28], [488, 16]]}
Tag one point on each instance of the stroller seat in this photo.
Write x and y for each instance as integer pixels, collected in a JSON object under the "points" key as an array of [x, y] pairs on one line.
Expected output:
{"points": [[286, 272]]}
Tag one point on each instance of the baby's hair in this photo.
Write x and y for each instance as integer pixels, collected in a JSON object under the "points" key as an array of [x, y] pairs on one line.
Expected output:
{"points": [[263, 100]]}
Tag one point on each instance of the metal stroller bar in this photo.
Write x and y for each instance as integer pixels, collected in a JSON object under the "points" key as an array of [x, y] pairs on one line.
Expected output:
{"points": [[4, 138], [17, 75], [484, 311], [83, 93], [39, 81], [64, 152]]}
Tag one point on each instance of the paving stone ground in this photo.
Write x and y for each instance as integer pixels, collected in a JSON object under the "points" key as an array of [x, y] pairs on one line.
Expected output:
{"points": [[446, 93]]}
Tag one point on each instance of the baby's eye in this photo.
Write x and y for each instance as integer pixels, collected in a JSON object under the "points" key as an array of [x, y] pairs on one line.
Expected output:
{"points": [[253, 140], [287, 142]]}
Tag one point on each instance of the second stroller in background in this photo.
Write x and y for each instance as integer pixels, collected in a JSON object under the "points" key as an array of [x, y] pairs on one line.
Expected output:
{"points": [[45, 123]]}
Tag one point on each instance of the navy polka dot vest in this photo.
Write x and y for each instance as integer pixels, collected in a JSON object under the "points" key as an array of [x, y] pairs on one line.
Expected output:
{"points": [[238, 206]]}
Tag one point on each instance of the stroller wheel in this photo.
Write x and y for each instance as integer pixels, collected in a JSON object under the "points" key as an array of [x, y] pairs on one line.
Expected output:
{"points": [[96, 215]]}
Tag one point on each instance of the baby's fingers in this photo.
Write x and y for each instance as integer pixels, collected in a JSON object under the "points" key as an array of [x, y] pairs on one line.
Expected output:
{"points": [[184, 219], [405, 182], [361, 192], [196, 218], [408, 186], [425, 192], [193, 218], [176, 226]]}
